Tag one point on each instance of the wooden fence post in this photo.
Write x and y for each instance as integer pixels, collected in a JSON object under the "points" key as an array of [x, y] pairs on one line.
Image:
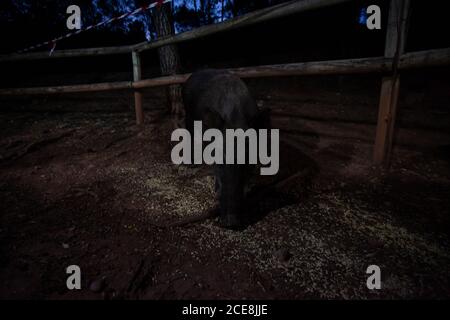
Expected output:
{"points": [[390, 86], [137, 75]]}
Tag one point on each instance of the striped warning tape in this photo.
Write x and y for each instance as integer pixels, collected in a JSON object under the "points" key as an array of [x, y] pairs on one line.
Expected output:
{"points": [[52, 43]]}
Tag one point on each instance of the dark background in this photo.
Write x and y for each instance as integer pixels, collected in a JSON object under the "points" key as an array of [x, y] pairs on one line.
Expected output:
{"points": [[326, 34], [76, 178]]}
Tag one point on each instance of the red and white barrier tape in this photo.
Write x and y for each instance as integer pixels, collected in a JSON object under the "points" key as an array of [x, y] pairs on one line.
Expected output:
{"points": [[52, 43]]}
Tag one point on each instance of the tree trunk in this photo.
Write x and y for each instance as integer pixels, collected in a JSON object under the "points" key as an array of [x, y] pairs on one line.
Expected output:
{"points": [[204, 18], [232, 8], [169, 61], [221, 10]]}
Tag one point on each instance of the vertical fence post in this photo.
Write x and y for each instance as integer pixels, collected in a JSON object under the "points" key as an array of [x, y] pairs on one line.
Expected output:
{"points": [[390, 85], [137, 75]]}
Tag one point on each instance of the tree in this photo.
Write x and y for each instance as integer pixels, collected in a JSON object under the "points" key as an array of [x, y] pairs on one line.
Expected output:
{"points": [[169, 60]]}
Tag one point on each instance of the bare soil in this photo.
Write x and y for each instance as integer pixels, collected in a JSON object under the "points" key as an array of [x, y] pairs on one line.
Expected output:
{"points": [[92, 189]]}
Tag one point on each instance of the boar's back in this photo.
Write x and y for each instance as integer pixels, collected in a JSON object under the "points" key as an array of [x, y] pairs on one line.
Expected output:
{"points": [[218, 98]]}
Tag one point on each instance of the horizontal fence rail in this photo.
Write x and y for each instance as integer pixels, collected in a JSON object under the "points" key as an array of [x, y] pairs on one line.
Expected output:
{"points": [[73, 53], [278, 11], [426, 58]]}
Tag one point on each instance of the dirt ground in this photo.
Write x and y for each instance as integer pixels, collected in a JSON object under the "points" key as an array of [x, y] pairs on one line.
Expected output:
{"points": [[92, 189]]}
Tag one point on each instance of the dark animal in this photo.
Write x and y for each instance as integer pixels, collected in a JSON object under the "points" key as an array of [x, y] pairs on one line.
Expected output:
{"points": [[222, 101]]}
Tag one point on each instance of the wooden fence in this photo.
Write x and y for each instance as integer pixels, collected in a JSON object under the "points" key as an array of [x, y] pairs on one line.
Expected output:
{"points": [[389, 66]]}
